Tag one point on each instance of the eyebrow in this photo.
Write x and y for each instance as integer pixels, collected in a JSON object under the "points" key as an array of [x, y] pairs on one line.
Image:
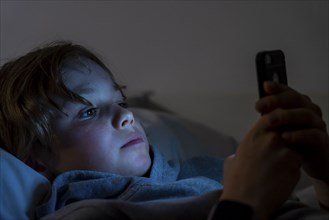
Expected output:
{"points": [[80, 91]]}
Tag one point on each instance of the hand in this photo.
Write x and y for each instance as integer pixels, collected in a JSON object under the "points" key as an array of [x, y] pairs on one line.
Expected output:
{"points": [[301, 124], [264, 170]]}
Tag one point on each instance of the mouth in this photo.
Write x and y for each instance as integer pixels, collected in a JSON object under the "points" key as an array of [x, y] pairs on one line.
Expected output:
{"points": [[135, 140]]}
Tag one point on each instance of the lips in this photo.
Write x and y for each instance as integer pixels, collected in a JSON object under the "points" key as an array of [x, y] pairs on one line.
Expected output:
{"points": [[133, 140]]}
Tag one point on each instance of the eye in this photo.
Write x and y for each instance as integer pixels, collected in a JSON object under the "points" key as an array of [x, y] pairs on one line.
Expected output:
{"points": [[123, 104], [89, 113]]}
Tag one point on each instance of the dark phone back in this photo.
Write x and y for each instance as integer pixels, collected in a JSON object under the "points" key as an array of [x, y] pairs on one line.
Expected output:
{"points": [[270, 66]]}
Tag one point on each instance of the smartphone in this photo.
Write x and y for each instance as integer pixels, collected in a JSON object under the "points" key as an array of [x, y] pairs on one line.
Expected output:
{"points": [[271, 66]]}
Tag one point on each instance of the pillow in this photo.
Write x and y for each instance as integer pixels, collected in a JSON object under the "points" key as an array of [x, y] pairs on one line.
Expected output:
{"points": [[22, 189]]}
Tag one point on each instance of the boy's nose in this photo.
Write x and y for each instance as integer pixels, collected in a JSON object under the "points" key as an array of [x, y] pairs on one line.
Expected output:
{"points": [[125, 118]]}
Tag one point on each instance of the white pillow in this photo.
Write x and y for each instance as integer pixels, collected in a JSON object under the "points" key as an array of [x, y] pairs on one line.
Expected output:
{"points": [[22, 189]]}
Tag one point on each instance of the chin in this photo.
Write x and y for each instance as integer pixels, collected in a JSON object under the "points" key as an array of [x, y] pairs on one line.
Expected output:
{"points": [[142, 168]]}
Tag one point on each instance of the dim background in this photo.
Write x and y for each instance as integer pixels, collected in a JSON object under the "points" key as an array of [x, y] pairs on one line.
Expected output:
{"points": [[197, 57]]}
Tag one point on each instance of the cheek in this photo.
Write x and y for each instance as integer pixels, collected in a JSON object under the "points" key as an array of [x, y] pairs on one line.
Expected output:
{"points": [[82, 147], [85, 136]]}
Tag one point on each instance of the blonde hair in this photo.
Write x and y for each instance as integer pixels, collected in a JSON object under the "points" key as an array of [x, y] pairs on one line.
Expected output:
{"points": [[27, 86]]}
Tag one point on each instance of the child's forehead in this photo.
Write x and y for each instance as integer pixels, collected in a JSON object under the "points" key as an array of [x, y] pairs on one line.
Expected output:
{"points": [[73, 68], [85, 78], [79, 64]]}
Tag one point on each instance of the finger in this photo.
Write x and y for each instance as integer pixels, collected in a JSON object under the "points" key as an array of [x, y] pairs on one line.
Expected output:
{"points": [[230, 157], [288, 99], [307, 137], [229, 160], [262, 126], [296, 118], [272, 88], [292, 157], [267, 123]]}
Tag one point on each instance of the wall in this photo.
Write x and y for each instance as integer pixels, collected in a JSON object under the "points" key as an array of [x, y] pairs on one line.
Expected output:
{"points": [[197, 56]]}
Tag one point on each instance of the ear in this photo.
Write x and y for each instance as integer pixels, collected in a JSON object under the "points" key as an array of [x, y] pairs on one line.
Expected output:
{"points": [[40, 167]]}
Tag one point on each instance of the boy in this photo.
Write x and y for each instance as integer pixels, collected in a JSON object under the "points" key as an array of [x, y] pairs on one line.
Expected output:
{"points": [[73, 126]]}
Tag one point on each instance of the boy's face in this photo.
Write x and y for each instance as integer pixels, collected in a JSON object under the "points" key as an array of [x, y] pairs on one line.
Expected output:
{"points": [[102, 137]]}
